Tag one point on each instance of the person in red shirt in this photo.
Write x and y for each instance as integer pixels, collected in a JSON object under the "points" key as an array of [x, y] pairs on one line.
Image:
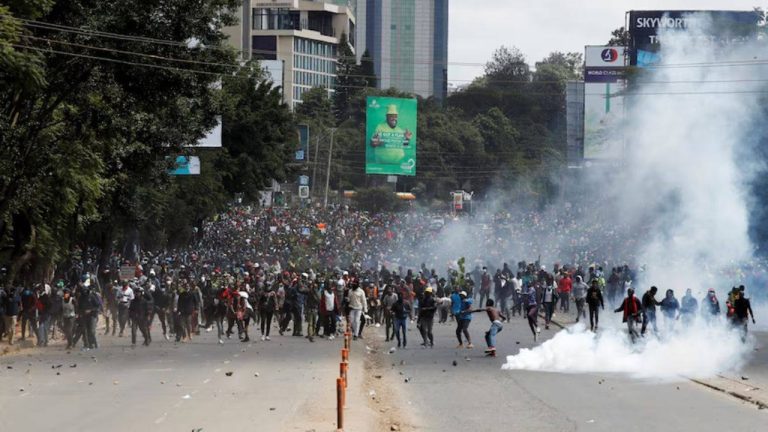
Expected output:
{"points": [[564, 292], [631, 307]]}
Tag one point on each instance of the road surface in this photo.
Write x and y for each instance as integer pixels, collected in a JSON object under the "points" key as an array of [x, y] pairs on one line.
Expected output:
{"points": [[185, 387]]}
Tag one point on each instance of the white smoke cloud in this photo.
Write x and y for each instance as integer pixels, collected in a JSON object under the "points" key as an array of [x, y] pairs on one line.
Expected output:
{"points": [[688, 123], [698, 352]]}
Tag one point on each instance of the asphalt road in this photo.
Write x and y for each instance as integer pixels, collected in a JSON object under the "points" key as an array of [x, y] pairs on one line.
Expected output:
{"points": [[477, 395], [184, 387], [178, 387]]}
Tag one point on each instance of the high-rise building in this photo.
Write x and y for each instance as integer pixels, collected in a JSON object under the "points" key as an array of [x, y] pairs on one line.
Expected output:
{"points": [[302, 34], [408, 41]]}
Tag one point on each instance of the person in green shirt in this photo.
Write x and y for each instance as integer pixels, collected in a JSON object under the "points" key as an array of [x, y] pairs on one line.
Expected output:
{"points": [[389, 134]]}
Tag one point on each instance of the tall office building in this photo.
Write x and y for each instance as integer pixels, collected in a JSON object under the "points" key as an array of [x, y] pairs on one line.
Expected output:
{"points": [[303, 35], [408, 40]]}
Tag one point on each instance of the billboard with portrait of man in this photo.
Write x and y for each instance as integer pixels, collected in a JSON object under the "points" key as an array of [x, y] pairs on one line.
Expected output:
{"points": [[390, 132]]}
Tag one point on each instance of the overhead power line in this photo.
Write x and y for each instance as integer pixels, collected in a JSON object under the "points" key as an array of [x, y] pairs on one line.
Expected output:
{"points": [[144, 39]]}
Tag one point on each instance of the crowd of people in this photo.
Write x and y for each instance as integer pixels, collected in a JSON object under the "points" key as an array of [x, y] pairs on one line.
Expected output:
{"points": [[305, 271]]}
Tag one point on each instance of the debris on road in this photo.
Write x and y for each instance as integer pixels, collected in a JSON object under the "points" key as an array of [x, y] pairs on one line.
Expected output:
{"points": [[229, 373]]}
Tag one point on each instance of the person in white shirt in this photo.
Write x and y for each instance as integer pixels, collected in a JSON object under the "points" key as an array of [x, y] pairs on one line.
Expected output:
{"points": [[358, 306], [124, 298]]}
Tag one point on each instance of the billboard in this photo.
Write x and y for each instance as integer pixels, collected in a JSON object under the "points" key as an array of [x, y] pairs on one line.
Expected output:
{"points": [[186, 165], [717, 27], [390, 133], [302, 153], [604, 85]]}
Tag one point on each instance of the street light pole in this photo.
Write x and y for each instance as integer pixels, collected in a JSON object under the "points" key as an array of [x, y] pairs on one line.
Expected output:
{"points": [[328, 172]]}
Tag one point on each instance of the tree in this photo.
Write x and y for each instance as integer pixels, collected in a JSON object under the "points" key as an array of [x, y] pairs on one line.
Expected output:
{"points": [[619, 37], [315, 107], [367, 70], [348, 82], [571, 64], [258, 134], [507, 68], [83, 145]]}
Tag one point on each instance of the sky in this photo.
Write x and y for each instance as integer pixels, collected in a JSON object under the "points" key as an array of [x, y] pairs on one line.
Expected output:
{"points": [[538, 27]]}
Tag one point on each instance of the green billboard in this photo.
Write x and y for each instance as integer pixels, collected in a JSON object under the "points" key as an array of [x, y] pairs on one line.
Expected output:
{"points": [[390, 132]]}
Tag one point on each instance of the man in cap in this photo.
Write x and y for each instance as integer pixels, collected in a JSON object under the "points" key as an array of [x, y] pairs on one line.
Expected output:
{"points": [[464, 318], [389, 133], [427, 308]]}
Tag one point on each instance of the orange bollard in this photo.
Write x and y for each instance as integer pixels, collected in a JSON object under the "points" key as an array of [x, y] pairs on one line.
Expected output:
{"points": [[345, 354], [339, 404], [343, 369], [346, 341]]}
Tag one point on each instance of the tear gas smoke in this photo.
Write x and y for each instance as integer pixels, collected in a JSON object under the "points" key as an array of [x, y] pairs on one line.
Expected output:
{"points": [[688, 124], [697, 352]]}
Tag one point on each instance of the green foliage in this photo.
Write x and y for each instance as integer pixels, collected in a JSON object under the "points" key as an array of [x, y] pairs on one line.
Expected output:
{"points": [[462, 271], [619, 37], [377, 200], [259, 135], [85, 141], [348, 82], [367, 70]]}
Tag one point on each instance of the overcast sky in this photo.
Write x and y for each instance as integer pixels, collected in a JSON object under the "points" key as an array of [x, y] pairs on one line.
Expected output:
{"points": [[538, 27]]}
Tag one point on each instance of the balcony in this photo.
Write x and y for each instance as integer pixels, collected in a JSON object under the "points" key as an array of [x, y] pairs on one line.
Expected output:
{"points": [[279, 19]]}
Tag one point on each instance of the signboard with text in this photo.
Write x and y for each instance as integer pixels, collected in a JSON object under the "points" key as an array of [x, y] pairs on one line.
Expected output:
{"points": [[390, 146], [603, 102]]}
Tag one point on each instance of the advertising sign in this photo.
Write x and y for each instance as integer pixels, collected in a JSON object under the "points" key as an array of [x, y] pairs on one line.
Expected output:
{"points": [[603, 102], [186, 165], [715, 27], [302, 153], [390, 132]]}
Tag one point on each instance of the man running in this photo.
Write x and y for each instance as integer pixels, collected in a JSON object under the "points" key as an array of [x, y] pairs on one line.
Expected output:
{"points": [[594, 299], [631, 307]]}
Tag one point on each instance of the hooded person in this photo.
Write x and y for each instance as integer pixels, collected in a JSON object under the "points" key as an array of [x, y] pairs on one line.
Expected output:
{"points": [[688, 308], [710, 306], [595, 303]]}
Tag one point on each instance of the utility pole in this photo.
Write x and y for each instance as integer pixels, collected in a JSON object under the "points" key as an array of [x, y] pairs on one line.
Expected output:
{"points": [[328, 172], [315, 161]]}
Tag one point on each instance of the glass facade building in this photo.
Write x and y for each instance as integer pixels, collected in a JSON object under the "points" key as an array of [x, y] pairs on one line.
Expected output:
{"points": [[408, 41], [302, 34]]}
